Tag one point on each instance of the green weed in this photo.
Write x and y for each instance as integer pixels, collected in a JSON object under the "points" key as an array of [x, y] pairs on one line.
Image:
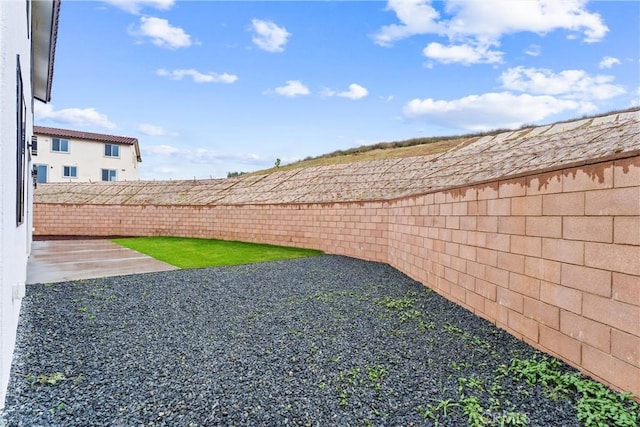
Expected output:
{"points": [[51, 379], [452, 329], [597, 405], [474, 412], [432, 412], [344, 397], [460, 366], [376, 375], [424, 325], [397, 304], [59, 407], [513, 419], [472, 383]]}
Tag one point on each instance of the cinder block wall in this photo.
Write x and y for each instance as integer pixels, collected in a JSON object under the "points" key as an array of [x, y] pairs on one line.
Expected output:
{"points": [[358, 230], [553, 258]]}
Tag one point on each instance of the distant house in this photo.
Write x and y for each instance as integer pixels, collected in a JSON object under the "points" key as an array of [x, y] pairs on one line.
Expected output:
{"points": [[66, 155], [28, 33]]}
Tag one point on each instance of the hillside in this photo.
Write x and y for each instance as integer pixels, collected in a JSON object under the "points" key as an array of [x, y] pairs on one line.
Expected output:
{"points": [[411, 147]]}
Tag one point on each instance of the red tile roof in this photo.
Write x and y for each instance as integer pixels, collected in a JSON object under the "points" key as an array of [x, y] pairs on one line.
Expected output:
{"points": [[89, 136]]}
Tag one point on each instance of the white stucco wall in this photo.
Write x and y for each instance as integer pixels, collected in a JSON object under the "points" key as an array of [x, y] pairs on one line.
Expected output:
{"points": [[15, 241], [89, 158]]}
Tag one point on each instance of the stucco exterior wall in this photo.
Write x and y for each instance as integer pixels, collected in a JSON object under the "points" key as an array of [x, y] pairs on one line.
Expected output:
{"points": [[15, 240], [89, 159], [553, 258]]}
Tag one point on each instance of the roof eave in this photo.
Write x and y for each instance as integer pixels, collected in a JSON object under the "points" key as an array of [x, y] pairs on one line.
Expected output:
{"points": [[44, 33]]}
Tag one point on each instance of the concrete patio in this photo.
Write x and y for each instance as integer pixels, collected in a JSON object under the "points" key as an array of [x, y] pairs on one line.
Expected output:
{"points": [[62, 260]]}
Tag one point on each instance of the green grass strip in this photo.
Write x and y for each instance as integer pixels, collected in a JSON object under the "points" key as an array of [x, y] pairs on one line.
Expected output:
{"points": [[185, 252]]}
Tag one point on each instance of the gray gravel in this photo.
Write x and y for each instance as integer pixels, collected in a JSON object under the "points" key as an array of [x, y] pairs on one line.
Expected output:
{"points": [[326, 340]]}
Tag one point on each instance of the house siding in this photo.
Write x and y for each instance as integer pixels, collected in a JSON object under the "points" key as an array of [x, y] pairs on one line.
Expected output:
{"points": [[89, 159], [15, 240]]}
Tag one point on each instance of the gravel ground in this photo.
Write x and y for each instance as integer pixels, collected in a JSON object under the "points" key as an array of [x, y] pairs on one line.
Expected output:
{"points": [[326, 340]]}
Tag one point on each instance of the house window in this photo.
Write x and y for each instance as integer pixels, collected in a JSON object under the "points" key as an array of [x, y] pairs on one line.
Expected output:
{"points": [[108, 174], [111, 150], [42, 171], [21, 114], [60, 145], [69, 171]]}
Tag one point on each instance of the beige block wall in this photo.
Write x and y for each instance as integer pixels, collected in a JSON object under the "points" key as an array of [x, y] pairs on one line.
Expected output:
{"points": [[552, 258], [333, 228]]}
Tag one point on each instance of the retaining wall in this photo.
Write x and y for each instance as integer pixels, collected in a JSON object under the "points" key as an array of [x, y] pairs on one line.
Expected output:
{"points": [[553, 258]]}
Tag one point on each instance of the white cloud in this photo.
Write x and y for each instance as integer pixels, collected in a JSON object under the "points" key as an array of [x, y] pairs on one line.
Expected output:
{"points": [[291, 89], [77, 117], [161, 150], [164, 170], [204, 155], [181, 162], [162, 33], [473, 27], [355, 92], [491, 110], [135, 6], [495, 18], [570, 84], [608, 62], [464, 54], [198, 155], [269, 36], [533, 50], [153, 130], [197, 76], [326, 93], [416, 17], [544, 94]]}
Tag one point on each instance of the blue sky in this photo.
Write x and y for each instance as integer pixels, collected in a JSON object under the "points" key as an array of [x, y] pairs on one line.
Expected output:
{"points": [[210, 87]]}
